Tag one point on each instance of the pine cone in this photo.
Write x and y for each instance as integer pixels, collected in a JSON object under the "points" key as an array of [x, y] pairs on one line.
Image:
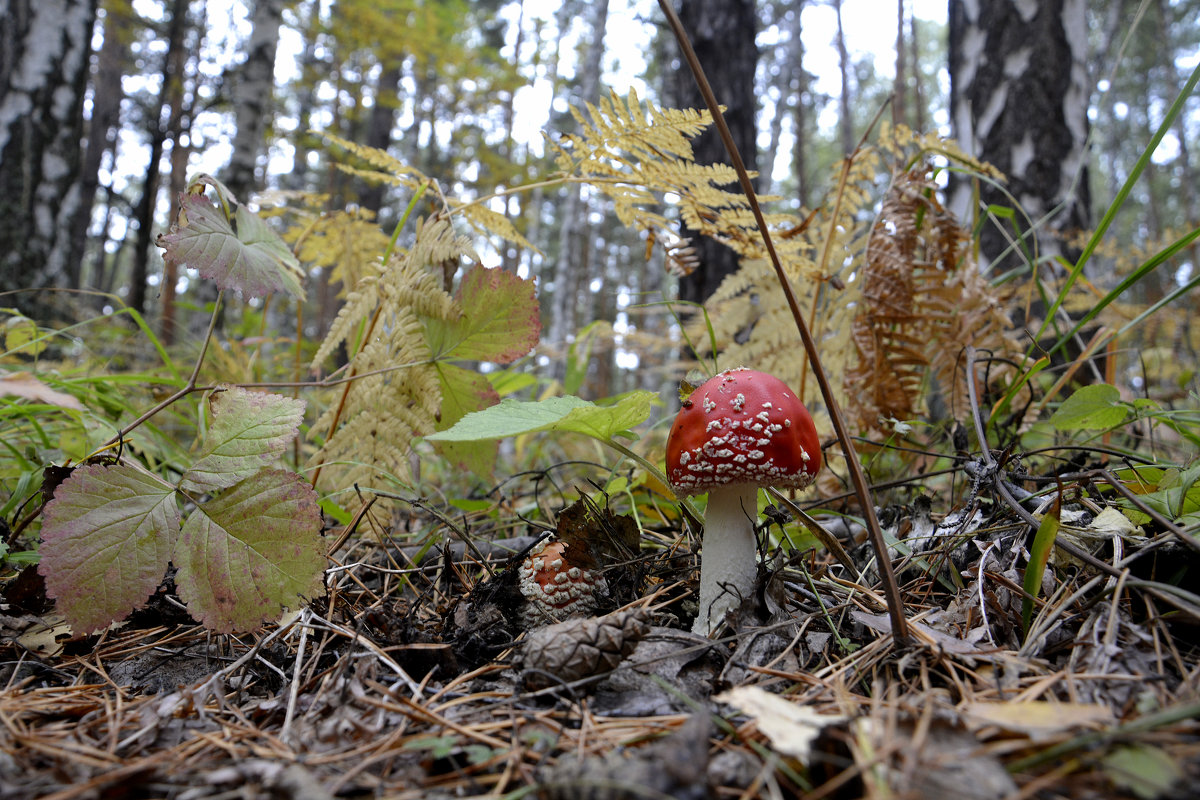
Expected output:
{"points": [[581, 648]]}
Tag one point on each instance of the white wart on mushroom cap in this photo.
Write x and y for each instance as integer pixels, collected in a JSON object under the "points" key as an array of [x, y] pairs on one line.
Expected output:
{"points": [[737, 432], [553, 588]]}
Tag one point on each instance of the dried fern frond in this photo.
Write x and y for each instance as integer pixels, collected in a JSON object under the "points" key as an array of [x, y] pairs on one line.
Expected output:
{"points": [[387, 169], [487, 221], [923, 304], [614, 125], [637, 153], [398, 395], [347, 243], [750, 318], [891, 304], [679, 254]]}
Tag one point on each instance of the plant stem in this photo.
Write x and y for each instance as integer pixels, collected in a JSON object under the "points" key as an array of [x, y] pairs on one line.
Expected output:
{"points": [[887, 576], [188, 387]]}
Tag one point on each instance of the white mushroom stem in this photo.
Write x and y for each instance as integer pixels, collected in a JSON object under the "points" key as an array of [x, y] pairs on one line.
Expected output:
{"points": [[728, 554]]}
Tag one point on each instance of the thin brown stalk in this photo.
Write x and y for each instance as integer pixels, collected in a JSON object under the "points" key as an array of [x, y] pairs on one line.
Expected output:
{"points": [[891, 588]]}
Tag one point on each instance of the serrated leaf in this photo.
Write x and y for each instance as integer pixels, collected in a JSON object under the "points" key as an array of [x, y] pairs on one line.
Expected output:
{"points": [[567, 414], [106, 541], [465, 391], [499, 322], [1091, 408], [251, 258], [249, 430], [251, 551]]}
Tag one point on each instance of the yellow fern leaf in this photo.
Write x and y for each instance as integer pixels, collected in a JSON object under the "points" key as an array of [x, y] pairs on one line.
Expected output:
{"points": [[491, 222]]}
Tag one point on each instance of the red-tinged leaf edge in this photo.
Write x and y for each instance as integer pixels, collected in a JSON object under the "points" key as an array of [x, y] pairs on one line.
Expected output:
{"points": [[106, 543]]}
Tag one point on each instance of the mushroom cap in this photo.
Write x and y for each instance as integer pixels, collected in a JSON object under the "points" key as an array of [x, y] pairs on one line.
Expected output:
{"points": [[742, 427], [554, 589]]}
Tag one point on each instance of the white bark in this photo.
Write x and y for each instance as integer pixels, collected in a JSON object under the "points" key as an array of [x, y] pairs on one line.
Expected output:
{"points": [[252, 97], [44, 48], [571, 271]]}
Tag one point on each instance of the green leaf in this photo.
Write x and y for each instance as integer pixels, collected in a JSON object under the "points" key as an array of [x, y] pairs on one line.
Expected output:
{"points": [[250, 552], [249, 257], [249, 430], [463, 392], [509, 381], [1148, 772], [1039, 553], [579, 354], [1177, 494], [106, 541], [21, 336], [1091, 408], [567, 414], [499, 322]]}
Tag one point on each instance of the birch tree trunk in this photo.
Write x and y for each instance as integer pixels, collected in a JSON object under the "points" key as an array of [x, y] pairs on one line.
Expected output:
{"points": [[573, 267], [1019, 94], [252, 98], [44, 50]]}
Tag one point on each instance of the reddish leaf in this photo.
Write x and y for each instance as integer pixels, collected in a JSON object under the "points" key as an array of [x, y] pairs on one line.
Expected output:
{"points": [[251, 258], [250, 552], [106, 540], [499, 323], [249, 430]]}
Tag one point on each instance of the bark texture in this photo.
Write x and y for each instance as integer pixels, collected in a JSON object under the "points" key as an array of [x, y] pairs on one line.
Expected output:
{"points": [[252, 98], [722, 34], [573, 267], [44, 50], [1018, 99]]}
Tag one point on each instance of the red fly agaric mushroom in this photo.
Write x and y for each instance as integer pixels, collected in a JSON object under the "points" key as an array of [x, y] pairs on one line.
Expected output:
{"points": [[737, 432], [554, 589]]}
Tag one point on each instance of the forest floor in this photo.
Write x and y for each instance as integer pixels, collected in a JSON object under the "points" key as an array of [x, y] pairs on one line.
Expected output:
{"points": [[419, 675]]}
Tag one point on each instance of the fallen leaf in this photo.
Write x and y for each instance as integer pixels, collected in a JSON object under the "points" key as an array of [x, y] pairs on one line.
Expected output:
{"points": [[24, 385], [791, 727], [1148, 772], [1037, 719]]}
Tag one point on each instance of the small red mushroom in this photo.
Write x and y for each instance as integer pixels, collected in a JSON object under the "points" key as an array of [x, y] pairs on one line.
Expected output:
{"points": [[553, 588], [737, 432]]}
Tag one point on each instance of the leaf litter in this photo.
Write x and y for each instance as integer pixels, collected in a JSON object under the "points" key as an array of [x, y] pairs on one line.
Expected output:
{"points": [[415, 676]]}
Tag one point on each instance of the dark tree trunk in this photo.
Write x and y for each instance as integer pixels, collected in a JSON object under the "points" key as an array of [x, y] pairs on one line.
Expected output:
{"points": [[306, 97], [379, 127], [171, 75], [44, 50], [1018, 99], [722, 34], [180, 105], [845, 116], [102, 129]]}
